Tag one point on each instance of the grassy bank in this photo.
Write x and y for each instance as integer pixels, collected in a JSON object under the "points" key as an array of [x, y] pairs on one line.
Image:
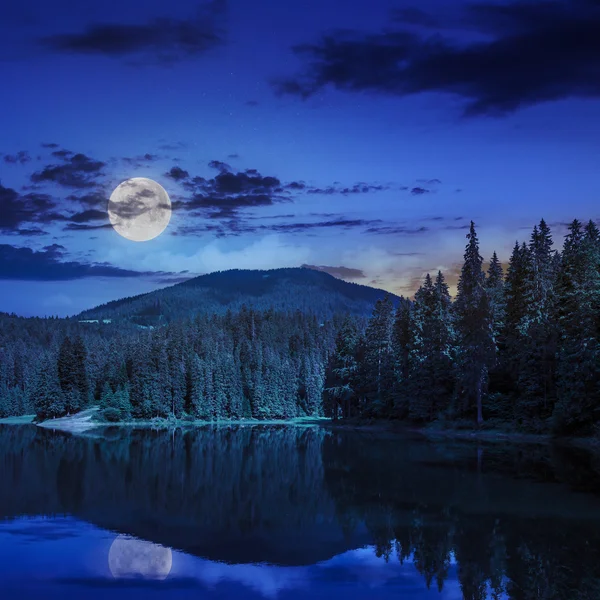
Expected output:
{"points": [[23, 420]]}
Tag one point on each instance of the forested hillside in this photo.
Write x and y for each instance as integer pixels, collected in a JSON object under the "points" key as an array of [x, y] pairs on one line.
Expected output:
{"points": [[242, 365], [284, 290], [521, 348]]}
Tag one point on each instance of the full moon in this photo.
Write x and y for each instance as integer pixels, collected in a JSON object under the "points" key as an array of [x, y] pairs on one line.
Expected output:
{"points": [[139, 209], [132, 558]]}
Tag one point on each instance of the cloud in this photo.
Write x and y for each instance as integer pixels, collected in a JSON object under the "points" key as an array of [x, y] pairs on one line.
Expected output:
{"points": [[300, 227], [50, 145], [27, 232], [89, 215], [97, 197], [525, 53], [161, 40], [419, 191], [397, 230], [225, 194], [18, 209], [76, 171], [26, 264], [177, 174], [357, 188], [62, 153], [138, 161], [20, 158], [219, 165], [339, 272], [85, 227]]}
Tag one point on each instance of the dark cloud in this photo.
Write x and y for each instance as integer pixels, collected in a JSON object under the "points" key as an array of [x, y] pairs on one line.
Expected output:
{"points": [[217, 164], [526, 53], [300, 227], [296, 185], [336, 188], [133, 204], [89, 215], [434, 181], [419, 191], [31, 232], [86, 227], [163, 40], [62, 153], [48, 265], [50, 145], [222, 196], [228, 192], [77, 171], [233, 155], [17, 209], [138, 161], [177, 174], [251, 103], [339, 272], [357, 188], [396, 230], [94, 198], [20, 158]]}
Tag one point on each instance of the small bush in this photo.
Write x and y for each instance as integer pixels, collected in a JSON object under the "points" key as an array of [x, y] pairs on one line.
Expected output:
{"points": [[112, 415]]}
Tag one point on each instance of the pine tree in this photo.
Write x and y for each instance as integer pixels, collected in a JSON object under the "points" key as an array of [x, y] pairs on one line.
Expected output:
{"points": [[66, 365], [443, 345], [535, 382], [344, 369], [420, 375], [47, 397], [80, 376], [474, 326], [495, 287], [578, 304], [379, 357], [401, 336]]}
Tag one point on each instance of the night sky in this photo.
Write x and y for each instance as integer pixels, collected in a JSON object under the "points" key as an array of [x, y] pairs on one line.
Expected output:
{"points": [[361, 136]]}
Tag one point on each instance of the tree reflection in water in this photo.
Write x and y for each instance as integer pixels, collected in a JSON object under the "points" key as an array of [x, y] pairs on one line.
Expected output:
{"points": [[524, 521]]}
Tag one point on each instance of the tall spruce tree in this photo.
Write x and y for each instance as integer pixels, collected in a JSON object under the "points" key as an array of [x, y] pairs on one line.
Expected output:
{"points": [[419, 355], [400, 348], [379, 358], [494, 284], [536, 345], [344, 369], [474, 328], [578, 302]]}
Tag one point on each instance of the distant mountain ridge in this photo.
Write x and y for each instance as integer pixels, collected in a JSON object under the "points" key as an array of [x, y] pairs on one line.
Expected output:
{"points": [[288, 290]]}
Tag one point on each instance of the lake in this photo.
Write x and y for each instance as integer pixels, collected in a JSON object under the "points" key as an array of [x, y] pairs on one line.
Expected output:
{"points": [[290, 512]]}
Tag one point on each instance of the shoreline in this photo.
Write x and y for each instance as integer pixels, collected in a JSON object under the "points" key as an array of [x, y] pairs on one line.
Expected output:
{"points": [[84, 422], [481, 435]]}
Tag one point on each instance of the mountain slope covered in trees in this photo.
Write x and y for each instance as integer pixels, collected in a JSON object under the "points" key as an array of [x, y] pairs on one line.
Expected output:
{"points": [[284, 290], [521, 348]]}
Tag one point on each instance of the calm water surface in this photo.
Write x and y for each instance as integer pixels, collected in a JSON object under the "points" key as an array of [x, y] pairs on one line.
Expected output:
{"points": [[293, 512]]}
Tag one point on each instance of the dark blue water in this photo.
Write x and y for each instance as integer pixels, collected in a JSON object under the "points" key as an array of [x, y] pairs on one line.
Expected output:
{"points": [[289, 512]]}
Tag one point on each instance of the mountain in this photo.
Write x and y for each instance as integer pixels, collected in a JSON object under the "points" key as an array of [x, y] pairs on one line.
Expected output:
{"points": [[288, 290]]}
